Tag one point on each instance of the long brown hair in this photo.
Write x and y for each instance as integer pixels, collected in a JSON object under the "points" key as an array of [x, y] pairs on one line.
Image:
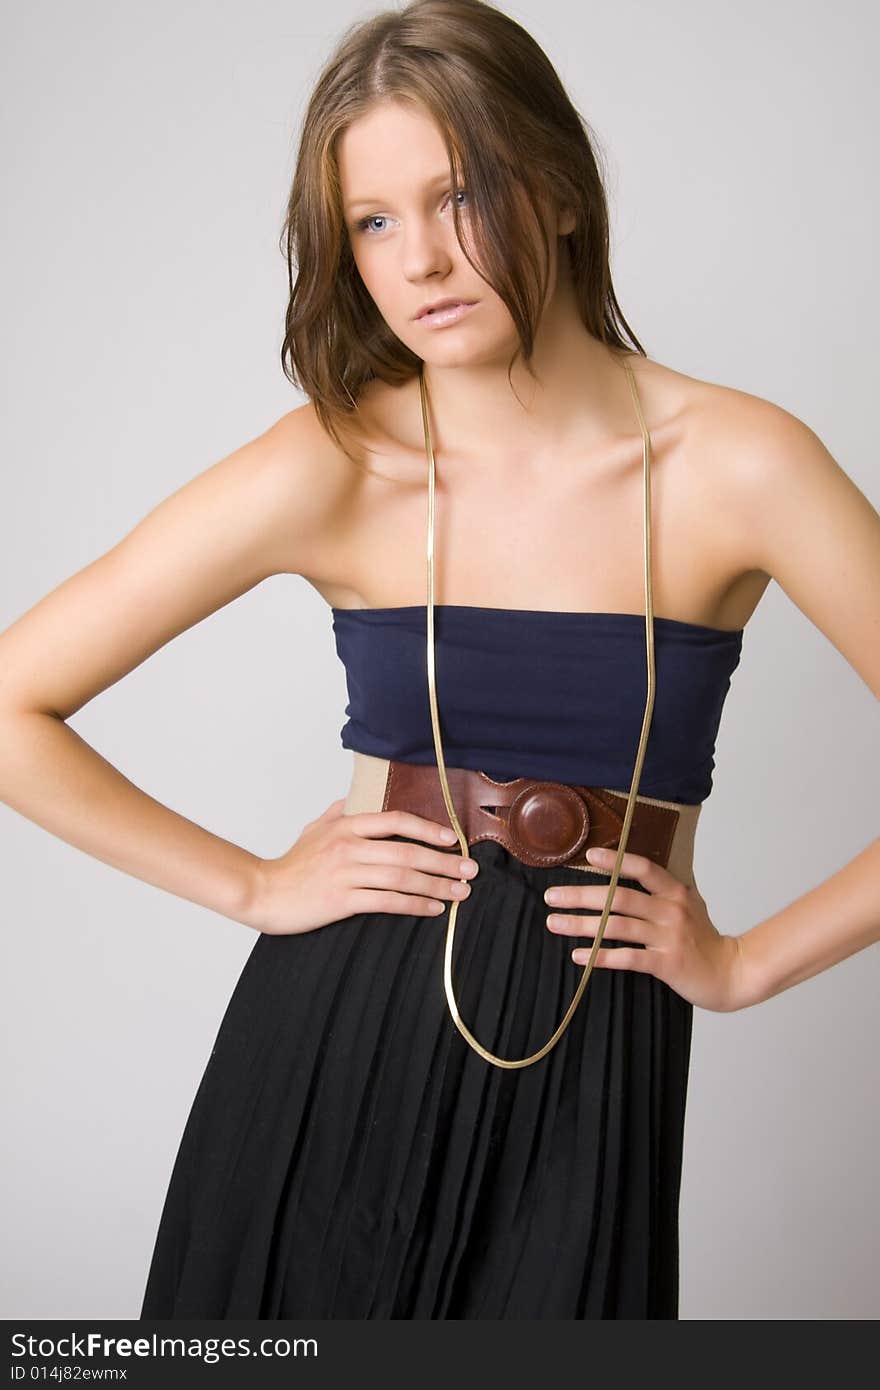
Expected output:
{"points": [[513, 137]]}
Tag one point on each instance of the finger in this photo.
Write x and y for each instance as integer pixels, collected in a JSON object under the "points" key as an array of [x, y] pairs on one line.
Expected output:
{"points": [[616, 928], [382, 823], [416, 856], [619, 958], [651, 875], [648, 907], [403, 904], [403, 879]]}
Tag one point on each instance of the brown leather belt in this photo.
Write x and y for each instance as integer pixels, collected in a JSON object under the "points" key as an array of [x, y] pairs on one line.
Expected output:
{"points": [[543, 823]]}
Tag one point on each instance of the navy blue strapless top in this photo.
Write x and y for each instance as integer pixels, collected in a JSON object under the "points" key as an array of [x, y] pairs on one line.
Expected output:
{"points": [[534, 693]]}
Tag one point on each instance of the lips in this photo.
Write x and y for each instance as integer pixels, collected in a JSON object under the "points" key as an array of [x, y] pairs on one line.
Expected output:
{"points": [[441, 304]]}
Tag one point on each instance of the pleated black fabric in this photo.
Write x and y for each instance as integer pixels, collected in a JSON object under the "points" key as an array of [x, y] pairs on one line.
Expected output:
{"points": [[348, 1154]]}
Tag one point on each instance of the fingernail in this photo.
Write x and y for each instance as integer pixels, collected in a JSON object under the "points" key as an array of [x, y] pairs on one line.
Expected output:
{"points": [[468, 867], [552, 895], [448, 833]]}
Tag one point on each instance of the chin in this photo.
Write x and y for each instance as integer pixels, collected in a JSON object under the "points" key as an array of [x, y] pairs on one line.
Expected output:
{"points": [[473, 354]]}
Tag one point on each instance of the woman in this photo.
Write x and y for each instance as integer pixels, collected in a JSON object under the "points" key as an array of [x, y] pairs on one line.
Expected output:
{"points": [[388, 1128]]}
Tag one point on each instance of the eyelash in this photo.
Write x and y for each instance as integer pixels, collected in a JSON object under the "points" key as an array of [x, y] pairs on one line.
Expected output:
{"points": [[364, 223]]}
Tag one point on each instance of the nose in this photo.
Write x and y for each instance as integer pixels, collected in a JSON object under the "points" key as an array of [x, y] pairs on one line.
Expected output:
{"points": [[425, 251]]}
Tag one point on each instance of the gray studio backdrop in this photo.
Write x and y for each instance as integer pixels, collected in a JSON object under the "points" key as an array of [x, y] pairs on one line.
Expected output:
{"points": [[147, 152]]}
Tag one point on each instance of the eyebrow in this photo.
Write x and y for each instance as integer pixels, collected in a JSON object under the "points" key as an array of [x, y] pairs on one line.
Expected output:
{"points": [[371, 202]]}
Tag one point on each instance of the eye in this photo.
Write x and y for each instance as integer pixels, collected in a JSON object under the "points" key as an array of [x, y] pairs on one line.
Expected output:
{"points": [[365, 221], [364, 224]]}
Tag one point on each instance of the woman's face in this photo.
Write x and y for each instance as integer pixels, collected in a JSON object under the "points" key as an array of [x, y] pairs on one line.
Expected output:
{"points": [[397, 203]]}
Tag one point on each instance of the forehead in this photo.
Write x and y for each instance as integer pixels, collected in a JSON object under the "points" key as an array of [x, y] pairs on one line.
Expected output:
{"points": [[393, 147]]}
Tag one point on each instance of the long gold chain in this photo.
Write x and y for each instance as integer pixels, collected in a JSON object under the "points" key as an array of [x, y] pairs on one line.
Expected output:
{"points": [[441, 762]]}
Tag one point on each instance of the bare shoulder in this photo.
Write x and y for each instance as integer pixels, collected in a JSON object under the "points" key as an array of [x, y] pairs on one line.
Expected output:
{"points": [[755, 454], [721, 417], [729, 465], [801, 520], [309, 483], [740, 432], [268, 507], [779, 506]]}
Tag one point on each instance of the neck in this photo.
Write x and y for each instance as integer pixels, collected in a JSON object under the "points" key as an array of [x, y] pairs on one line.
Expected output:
{"points": [[578, 396]]}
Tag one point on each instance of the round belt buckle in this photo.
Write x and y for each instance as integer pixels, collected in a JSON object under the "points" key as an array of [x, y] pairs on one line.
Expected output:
{"points": [[548, 820]]}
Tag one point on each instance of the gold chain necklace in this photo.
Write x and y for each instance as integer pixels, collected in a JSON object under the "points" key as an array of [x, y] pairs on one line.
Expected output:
{"points": [[441, 762]]}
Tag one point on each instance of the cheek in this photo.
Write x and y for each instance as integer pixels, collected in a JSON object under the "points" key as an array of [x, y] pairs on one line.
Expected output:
{"points": [[375, 278], [371, 280], [497, 313], [384, 288]]}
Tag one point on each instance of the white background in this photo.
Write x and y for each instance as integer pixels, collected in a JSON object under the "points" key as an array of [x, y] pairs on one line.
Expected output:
{"points": [[147, 154]]}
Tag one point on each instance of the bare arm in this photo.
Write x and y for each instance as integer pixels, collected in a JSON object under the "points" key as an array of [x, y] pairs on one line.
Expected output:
{"points": [[818, 536], [247, 517]]}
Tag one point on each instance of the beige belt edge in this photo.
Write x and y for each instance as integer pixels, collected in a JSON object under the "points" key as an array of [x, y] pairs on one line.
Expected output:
{"points": [[370, 778]]}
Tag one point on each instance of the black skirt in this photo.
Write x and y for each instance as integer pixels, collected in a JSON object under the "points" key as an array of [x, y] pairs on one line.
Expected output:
{"points": [[349, 1155]]}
